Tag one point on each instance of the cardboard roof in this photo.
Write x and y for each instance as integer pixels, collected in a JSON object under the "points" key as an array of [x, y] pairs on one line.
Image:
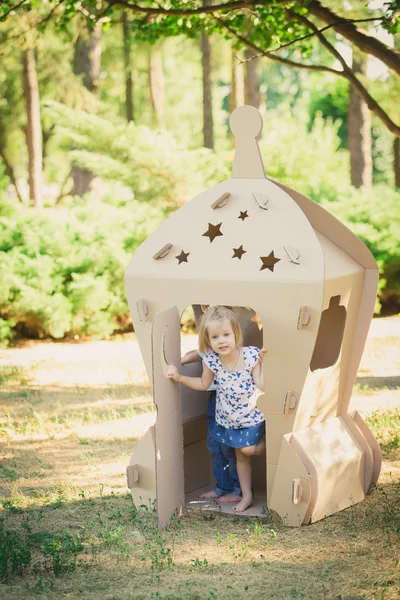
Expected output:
{"points": [[250, 229]]}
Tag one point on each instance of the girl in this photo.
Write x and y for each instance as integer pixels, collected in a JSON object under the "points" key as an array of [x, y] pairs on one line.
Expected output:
{"points": [[239, 424], [227, 486]]}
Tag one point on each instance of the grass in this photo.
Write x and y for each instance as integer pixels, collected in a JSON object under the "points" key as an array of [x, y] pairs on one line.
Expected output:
{"points": [[386, 428], [68, 528]]}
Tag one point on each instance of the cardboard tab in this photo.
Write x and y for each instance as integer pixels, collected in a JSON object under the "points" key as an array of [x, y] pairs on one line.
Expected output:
{"points": [[293, 254], [163, 252], [221, 201], [142, 309], [132, 476], [304, 317]]}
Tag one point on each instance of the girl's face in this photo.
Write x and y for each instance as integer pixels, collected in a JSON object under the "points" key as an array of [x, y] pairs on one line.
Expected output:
{"points": [[221, 336]]}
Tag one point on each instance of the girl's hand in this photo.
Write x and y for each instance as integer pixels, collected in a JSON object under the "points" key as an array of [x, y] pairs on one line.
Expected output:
{"points": [[261, 354], [173, 373]]}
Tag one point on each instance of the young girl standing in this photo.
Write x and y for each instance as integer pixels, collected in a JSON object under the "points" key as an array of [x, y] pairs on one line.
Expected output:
{"points": [[239, 424]]}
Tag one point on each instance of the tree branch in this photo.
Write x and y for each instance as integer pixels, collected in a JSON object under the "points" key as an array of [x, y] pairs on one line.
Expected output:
{"points": [[187, 12], [284, 61], [10, 10], [10, 173], [34, 25], [365, 42], [309, 35], [348, 74]]}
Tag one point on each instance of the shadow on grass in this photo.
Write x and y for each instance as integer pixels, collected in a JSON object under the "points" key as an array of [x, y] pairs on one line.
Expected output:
{"points": [[27, 409], [344, 556], [42, 469]]}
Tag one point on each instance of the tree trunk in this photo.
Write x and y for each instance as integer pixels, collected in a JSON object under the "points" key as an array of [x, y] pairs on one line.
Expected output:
{"points": [[87, 64], [208, 121], [396, 152], [10, 173], [128, 68], [236, 97], [156, 84], [359, 131], [33, 128], [252, 79]]}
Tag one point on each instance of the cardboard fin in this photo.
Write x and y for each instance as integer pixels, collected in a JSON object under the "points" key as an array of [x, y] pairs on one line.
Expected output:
{"points": [[374, 446], [141, 472], [292, 488]]}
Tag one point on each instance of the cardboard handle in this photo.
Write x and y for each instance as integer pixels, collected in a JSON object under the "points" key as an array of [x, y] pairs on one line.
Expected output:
{"points": [[142, 309], [132, 476], [293, 254], [221, 201], [297, 490], [290, 402], [163, 252], [304, 317], [261, 200]]}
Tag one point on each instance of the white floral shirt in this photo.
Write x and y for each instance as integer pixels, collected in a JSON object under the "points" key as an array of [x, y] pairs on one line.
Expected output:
{"points": [[236, 391]]}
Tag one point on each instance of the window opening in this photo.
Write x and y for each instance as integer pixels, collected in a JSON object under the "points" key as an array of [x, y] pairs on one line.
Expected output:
{"points": [[330, 335]]}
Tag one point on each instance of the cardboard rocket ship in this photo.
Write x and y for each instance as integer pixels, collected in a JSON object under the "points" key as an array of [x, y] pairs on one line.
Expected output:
{"points": [[253, 242]]}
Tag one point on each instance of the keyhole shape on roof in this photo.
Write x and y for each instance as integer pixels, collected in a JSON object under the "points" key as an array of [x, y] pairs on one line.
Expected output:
{"points": [[182, 257], [269, 262], [238, 252], [330, 335], [213, 231]]}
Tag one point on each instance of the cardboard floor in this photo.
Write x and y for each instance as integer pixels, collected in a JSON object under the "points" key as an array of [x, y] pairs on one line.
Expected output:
{"points": [[192, 501]]}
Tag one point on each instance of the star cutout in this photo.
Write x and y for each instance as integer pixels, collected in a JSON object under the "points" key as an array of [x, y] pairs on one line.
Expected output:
{"points": [[182, 257], [213, 231], [238, 252], [268, 262], [243, 215]]}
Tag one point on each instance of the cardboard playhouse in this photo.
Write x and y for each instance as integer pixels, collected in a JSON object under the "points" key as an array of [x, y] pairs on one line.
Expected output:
{"points": [[254, 243]]}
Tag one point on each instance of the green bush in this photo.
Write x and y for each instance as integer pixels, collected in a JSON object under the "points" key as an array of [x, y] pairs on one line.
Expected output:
{"points": [[53, 552], [374, 216], [63, 270]]}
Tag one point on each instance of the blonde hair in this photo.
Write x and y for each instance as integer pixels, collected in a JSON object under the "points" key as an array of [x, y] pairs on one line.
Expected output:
{"points": [[213, 314]]}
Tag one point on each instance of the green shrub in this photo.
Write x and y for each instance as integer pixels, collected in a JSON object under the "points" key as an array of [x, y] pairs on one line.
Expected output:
{"points": [[52, 552], [374, 216], [63, 270]]}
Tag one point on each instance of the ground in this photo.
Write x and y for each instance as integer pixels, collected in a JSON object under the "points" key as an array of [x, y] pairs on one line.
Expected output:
{"points": [[70, 417]]}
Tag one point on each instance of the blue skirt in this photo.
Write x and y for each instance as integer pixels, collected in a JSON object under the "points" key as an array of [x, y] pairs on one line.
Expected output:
{"points": [[240, 438]]}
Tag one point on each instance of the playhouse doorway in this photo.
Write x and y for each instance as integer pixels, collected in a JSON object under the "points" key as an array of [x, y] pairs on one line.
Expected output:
{"points": [[198, 468]]}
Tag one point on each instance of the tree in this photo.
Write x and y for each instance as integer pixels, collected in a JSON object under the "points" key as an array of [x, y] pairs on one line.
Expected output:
{"points": [[156, 84], [206, 64], [359, 131], [252, 79], [284, 31], [33, 127], [127, 67], [236, 97]]}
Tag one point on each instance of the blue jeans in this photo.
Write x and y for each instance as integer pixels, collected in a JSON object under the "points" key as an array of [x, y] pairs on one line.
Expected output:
{"points": [[223, 457]]}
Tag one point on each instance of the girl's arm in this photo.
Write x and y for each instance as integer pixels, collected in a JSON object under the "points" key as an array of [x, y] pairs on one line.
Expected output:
{"points": [[190, 357], [258, 373], [195, 383]]}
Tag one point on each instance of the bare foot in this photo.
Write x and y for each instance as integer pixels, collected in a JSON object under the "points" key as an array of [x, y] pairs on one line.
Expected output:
{"points": [[243, 505], [208, 495], [230, 498]]}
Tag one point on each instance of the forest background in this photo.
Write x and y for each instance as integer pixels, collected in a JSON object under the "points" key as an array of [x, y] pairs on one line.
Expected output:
{"points": [[113, 114]]}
